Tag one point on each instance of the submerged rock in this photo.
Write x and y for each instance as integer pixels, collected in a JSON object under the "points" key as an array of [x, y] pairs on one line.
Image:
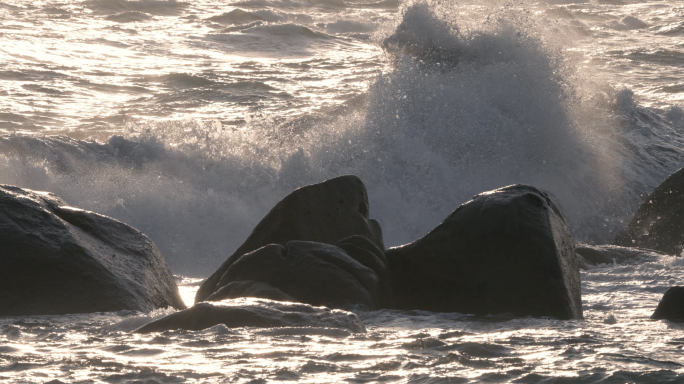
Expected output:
{"points": [[671, 306], [57, 259], [327, 213], [592, 255], [350, 273], [254, 313], [659, 222], [505, 251]]}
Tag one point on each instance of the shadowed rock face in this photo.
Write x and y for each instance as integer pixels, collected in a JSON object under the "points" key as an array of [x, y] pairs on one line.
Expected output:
{"points": [[56, 259], [352, 272], [326, 213], [659, 222], [505, 251], [254, 313], [671, 306]]}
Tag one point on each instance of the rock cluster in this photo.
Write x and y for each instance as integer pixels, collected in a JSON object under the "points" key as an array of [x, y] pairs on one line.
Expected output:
{"points": [[507, 251], [325, 213]]}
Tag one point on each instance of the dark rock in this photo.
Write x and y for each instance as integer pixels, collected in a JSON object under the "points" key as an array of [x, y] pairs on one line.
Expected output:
{"points": [[368, 254], [671, 306], [592, 255], [583, 263], [659, 222], [505, 251], [56, 259], [254, 313], [353, 272], [327, 213], [249, 288]]}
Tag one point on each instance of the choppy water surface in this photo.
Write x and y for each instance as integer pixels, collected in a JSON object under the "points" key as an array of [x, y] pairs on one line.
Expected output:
{"points": [[616, 343], [91, 65], [190, 120]]}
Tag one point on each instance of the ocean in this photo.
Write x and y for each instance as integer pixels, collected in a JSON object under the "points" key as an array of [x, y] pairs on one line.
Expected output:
{"points": [[189, 120]]}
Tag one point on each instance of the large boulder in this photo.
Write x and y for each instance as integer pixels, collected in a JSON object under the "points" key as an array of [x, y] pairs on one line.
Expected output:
{"points": [[659, 222], [592, 255], [507, 251], [56, 259], [352, 272], [254, 313], [326, 213], [671, 306]]}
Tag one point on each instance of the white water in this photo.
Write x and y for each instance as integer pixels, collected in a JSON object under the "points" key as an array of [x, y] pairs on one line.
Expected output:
{"points": [[189, 121]]}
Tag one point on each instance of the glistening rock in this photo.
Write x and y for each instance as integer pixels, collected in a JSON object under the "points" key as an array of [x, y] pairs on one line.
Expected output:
{"points": [[326, 213], [254, 313], [56, 259], [506, 251], [659, 222]]}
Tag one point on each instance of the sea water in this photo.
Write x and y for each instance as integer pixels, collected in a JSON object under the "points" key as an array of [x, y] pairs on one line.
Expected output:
{"points": [[190, 120]]}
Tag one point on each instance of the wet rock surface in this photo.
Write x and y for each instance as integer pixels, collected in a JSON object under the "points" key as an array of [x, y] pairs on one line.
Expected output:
{"points": [[326, 213], [316, 273], [254, 313], [505, 251], [671, 306], [57, 259], [659, 222]]}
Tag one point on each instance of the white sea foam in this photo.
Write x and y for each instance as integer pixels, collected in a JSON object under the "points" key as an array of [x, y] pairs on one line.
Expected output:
{"points": [[627, 23]]}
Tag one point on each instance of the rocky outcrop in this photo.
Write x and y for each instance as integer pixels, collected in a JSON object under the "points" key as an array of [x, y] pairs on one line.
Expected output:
{"points": [[326, 213], [671, 306], [659, 222], [352, 272], [254, 313], [592, 255], [507, 251], [56, 259]]}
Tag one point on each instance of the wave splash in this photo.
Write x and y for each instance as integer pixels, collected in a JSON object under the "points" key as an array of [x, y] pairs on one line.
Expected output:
{"points": [[461, 112]]}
